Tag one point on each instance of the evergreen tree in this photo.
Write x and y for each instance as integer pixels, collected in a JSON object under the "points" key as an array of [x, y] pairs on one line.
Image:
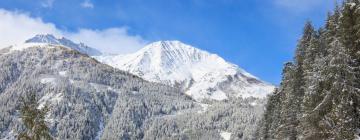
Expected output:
{"points": [[350, 38], [342, 78], [332, 25], [304, 43], [304, 57], [271, 127], [349, 26], [319, 95], [314, 92], [270, 121], [290, 103], [33, 119]]}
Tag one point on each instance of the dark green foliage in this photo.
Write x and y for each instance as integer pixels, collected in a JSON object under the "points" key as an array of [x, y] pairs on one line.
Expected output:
{"points": [[304, 43], [349, 26], [272, 115], [33, 119]]}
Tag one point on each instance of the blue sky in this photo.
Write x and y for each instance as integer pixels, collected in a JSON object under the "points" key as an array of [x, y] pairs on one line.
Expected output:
{"points": [[258, 35]]}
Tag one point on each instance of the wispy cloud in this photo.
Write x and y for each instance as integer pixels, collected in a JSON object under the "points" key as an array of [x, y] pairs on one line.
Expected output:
{"points": [[87, 4], [47, 3], [16, 27], [111, 40]]}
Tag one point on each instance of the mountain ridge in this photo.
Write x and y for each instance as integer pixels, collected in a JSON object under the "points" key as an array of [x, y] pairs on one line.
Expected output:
{"points": [[199, 73], [92, 100], [51, 39]]}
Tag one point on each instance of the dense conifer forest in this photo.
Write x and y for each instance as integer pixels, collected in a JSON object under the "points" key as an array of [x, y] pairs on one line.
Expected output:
{"points": [[319, 96]]}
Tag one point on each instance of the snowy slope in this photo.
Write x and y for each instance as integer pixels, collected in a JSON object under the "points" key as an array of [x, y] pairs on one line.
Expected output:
{"points": [[100, 101], [81, 94], [200, 74], [48, 39]]}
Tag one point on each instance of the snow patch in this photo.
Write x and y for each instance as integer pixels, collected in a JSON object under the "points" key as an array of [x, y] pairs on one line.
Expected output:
{"points": [[254, 103], [257, 91], [218, 95], [101, 87], [50, 120], [97, 87], [10, 136], [357, 134], [225, 135], [50, 97], [47, 80], [63, 73], [204, 107], [24, 46], [352, 5]]}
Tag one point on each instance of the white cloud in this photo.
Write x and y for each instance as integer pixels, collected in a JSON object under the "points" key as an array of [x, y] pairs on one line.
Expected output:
{"points": [[16, 27], [87, 4], [47, 3], [299, 5], [113, 39]]}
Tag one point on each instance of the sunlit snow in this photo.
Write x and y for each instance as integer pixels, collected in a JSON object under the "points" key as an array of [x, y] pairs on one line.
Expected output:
{"points": [[47, 80], [50, 98], [199, 73], [204, 108], [62, 73], [225, 135]]}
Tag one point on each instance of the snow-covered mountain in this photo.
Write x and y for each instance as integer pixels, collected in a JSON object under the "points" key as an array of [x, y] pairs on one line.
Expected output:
{"points": [[48, 39], [91, 100], [200, 74]]}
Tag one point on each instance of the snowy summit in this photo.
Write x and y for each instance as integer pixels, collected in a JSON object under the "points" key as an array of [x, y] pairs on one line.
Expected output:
{"points": [[200, 74], [48, 39]]}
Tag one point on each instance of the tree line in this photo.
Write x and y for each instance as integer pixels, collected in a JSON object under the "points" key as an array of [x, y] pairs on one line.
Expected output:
{"points": [[319, 96]]}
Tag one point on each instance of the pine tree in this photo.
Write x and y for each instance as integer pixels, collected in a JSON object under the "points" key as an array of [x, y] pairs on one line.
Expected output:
{"points": [[33, 119], [357, 22], [314, 91], [350, 38], [311, 52], [306, 53], [349, 26], [304, 43], [304, 57], [319, 97], [276, 121], [340, 97], [289, 108], [271, 117], [332, 28]]}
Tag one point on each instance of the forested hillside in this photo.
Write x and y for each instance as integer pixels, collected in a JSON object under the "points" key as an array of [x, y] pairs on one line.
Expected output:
{"points": [[319, 96], [81, 94], [91, 101]]}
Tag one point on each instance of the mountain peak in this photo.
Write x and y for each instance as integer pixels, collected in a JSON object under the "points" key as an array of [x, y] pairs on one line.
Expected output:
{"points": [[175, 53], [51, 39], [199, 73], [43, 38], [168, 46]]}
